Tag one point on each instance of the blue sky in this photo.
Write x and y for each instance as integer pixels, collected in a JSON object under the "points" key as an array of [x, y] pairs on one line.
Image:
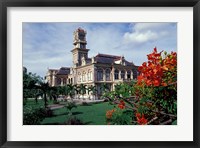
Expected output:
{"points": [[48, 45]]}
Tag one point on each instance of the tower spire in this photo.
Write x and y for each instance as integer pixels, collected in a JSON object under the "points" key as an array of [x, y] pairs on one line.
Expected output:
{"points": [[79, 43], [80, 38]]}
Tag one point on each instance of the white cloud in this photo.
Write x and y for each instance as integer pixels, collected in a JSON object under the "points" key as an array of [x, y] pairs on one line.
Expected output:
{"points": [[140, 37], [146, 32], [149, 26]]}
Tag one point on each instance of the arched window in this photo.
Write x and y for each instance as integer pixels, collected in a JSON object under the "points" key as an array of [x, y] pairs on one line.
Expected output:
{"points": [[79, 77], [58, 81], [107, 74], [84, 76], [71, 80], [64, 81], [128, 74], [68, 81], [100, 75], [89, 75], [122, 74], [134, 73], [116, 74]]}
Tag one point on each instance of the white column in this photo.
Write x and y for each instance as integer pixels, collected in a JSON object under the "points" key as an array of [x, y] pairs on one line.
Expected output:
{"points": [[113, 74], [119, 74], [61, 81], [131, 74], [125, 75], [53, 80], [104, 75]]}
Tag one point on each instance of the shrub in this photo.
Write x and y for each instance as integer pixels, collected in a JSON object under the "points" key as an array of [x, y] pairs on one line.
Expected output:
{"points": [[153, 98], [70, 105], [35, 116], [74, 121], [119, 117], [86, 104]]}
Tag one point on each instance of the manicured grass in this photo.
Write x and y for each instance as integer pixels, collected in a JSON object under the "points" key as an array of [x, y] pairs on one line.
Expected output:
{"points": [[92, 114], [31, 104]]}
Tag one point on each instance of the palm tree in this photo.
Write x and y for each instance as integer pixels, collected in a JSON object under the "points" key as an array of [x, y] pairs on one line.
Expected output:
{"points": [[70, 90], [44, 89], [77, 90], [104, 88], [82, 89], [29, 81], [92, 89], [53, 93]]}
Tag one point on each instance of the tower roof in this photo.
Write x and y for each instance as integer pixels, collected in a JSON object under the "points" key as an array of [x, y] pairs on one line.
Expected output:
{"points": [[109, 59], [63, 71], [79, 29]]}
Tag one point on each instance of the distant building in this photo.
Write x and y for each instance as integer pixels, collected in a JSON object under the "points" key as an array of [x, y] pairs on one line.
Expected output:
{"points": [[95, 71]]}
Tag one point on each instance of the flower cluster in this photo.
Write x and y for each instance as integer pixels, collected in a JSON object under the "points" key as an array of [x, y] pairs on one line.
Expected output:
{"points": [[157, 71], [121, 105], [153, 96], [141, 120], [109, 113]]}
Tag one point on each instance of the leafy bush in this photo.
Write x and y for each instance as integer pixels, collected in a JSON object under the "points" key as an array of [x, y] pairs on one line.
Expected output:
{"points": [[153, 98], [119, 117], [70, 105], [86, 104], [74, 121], [35, 116]]}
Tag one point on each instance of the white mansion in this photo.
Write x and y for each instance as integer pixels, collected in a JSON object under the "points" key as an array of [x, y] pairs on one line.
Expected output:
{"points": [[95, 71]]}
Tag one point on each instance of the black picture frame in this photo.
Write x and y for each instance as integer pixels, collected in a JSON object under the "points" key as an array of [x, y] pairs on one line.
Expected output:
{"points": [[4, 4]]}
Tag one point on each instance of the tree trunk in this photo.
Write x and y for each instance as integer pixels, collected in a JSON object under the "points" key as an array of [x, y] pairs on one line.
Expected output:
{"points": [[45, 100]]}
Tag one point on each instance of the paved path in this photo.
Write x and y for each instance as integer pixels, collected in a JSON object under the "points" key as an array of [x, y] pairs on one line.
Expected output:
{"points": [[77, 101], [55, 106]]}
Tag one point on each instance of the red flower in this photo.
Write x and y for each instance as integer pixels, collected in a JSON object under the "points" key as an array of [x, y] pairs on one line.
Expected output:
{"points": [[158, 71], [121, 105], [156, 83], [155, 49], [109, 113], [141, 119], [148, 82]]}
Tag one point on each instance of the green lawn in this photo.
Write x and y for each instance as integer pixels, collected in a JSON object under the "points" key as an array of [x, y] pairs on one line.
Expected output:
{"points": [[92, 114], [31, 103]]}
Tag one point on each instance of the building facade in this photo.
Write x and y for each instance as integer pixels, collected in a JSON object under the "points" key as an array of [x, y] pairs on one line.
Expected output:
{"points": [[95, 71]]}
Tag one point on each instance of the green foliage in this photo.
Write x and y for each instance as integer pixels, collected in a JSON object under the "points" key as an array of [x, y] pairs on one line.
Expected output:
{"points": [[29, 82], [74, 121], [174, 123], [122, 91], [121, 117], [92, 89], [35, 116], [160, 102], [70, 105]]}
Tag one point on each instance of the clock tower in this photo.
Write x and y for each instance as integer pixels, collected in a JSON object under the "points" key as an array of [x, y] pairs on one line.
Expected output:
{"points": [[79, 43]]}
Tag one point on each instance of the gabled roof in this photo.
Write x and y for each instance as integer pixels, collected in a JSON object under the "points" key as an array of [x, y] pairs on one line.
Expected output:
{"points": [[105, 58], [63, 71], [109, 59]]}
